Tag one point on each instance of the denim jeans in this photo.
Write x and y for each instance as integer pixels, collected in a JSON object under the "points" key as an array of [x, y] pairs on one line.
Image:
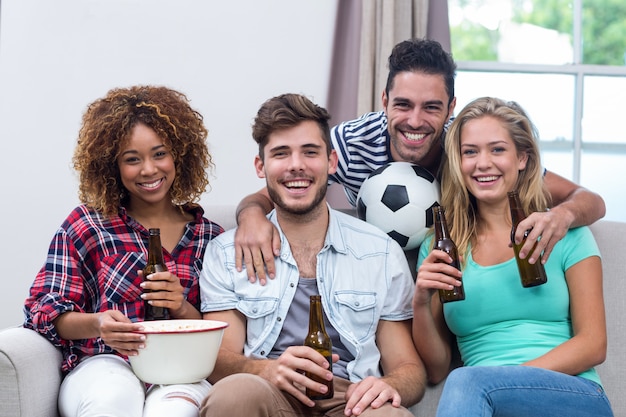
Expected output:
{"points": [[520, 391]]}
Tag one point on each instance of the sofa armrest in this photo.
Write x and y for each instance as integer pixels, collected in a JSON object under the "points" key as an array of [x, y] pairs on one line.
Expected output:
{"points": [[30, 374]]}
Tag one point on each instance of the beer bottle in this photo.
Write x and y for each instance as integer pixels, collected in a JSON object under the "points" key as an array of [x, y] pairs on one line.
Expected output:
{"points": [[531, 274], [155, 264], [444, 243], [319, 340]]}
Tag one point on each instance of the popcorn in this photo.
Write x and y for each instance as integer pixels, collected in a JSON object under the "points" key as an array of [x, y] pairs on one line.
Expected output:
{"points": [[176, 326]]}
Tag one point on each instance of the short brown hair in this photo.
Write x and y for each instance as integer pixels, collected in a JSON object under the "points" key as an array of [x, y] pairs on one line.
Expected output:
{"points": [[286, 111]]}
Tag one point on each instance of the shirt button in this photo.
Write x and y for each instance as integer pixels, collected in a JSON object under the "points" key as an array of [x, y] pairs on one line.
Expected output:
{"points": [[255, 310], [291, 285], [279, 319], [357, 303], [263, 352]]}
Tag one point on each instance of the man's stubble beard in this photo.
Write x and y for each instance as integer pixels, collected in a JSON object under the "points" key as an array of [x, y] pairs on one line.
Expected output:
{"points": [[429, 155], [299, 211]]}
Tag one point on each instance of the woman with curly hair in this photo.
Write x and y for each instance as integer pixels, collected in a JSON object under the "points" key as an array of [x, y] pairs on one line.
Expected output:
{"points": [[142, 161]]}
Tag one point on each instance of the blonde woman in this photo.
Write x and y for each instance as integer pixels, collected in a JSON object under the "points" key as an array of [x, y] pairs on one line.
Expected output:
{"points": [[526, 351]]}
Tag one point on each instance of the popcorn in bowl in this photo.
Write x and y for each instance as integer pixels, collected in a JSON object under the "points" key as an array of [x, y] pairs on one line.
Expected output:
{"points": [[180, 326]]}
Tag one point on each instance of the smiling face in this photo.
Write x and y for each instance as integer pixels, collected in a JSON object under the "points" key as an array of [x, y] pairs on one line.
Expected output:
{"points": [[146, 167], [417, 110], [490, 163], [296, 166]]}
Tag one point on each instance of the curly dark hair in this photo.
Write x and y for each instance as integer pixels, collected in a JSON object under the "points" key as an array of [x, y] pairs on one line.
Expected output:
{"points": [[107, 125], [422, 55]]}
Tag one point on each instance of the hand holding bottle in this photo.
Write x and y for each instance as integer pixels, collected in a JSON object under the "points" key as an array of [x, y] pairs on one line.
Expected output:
{"points": [[531, 274], [163, 290], [319, 340], [287, 372], [444, 243], [436, 272], [540, 231]]}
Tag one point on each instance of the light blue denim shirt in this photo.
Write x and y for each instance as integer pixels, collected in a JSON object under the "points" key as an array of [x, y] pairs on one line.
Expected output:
{"points": [[362, 276]]}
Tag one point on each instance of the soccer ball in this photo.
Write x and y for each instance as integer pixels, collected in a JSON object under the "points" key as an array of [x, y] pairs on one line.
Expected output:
{"points": [[398, 198]]}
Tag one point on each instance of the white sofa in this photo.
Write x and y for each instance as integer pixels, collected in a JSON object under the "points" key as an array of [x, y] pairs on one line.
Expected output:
{"points": [[29, 364]]}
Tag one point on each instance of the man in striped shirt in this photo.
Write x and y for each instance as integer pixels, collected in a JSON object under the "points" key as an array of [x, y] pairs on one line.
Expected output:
{"points": [[418, 103]]}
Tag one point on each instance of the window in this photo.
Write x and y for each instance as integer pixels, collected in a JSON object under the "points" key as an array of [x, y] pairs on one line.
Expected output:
{"points": [[564, 61]]}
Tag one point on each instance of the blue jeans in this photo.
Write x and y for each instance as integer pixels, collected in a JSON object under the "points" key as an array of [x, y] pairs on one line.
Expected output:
{"points": [[520, 391]]}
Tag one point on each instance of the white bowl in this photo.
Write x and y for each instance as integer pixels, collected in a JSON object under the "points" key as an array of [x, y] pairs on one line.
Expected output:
{"points": [[178, 351]]}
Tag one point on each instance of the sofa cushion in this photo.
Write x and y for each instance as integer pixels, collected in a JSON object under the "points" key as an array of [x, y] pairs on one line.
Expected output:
{"points": [[611, 238], [29, 366]]}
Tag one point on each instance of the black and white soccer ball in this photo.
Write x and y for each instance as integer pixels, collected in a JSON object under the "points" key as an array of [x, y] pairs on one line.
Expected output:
{"points": [[398, 198]]}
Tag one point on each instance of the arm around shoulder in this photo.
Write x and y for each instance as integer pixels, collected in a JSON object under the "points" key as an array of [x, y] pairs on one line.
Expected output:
{"points": [[573, 206], [257, 240], [259, 200]]}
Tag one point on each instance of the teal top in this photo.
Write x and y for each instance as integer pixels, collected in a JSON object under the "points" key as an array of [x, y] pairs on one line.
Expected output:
{"points": [[502, 323]]}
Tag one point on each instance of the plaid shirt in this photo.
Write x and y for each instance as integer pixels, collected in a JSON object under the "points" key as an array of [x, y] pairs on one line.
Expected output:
{"points": [[92, 266]]}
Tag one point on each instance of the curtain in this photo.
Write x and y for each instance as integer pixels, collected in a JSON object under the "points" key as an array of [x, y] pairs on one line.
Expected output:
{"points": [[384, 24], [438, 23], [343, 86]]}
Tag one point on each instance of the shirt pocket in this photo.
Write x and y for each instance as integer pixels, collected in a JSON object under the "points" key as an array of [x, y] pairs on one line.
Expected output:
{"points": [[260, 313], [358, 310], [119, 278], [188, 274]]}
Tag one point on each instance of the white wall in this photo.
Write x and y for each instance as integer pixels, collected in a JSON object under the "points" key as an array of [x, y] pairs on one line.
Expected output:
{"points": [[56, 57]]}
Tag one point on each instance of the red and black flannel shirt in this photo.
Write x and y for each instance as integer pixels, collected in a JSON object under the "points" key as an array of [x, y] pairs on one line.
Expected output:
{"points": [[92, 266]]}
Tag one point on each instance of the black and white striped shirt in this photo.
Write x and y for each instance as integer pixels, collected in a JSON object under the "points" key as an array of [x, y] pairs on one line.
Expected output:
{"points": [[362, 146]]}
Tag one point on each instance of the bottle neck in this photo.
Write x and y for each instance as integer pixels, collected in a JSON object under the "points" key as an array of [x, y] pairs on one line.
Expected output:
{"points": [[155, 251], [441, 225], [517, 211], [316, 316]]}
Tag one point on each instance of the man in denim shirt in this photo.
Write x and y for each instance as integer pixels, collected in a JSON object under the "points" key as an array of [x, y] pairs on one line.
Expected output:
{"points": [[361, 274]]}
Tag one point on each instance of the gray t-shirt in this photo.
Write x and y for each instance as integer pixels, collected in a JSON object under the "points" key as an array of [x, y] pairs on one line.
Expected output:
{"points": [[296, 325]]}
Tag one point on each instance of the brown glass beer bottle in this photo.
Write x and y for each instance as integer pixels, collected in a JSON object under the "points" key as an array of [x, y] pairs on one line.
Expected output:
{"points": [[531, 274], [444, 243], [319, 340], [155, 264]]}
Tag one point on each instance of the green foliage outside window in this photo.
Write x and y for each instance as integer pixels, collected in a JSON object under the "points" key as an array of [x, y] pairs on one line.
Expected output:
{"points": [[474, 42], [603, 29]]}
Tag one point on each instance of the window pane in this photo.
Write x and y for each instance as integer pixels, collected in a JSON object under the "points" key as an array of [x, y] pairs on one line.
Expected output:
{"points": [[600, 173], [601, 113], [547, 98], [604, 32], [514, 31], [559, 162]]}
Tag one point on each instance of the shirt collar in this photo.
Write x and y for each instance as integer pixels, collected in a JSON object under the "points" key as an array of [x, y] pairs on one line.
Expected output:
{"points": [[335, 237], [194, 209]]}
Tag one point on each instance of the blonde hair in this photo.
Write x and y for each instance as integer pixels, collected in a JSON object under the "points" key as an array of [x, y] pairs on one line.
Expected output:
{"points": [[460, 205]]}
